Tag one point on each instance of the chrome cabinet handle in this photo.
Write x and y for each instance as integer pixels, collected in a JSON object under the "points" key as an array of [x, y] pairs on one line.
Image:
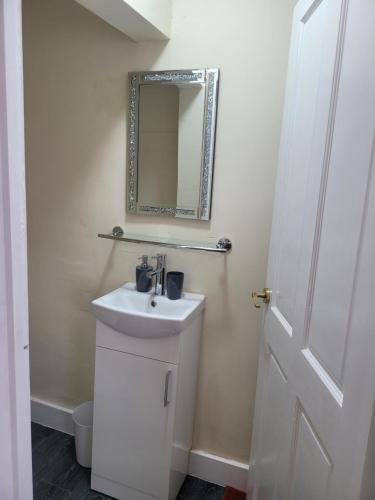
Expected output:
{"points": [[166, 387]]}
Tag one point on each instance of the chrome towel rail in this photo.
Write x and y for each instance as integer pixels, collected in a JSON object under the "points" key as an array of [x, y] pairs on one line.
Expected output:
{"points": [[223, 246]]}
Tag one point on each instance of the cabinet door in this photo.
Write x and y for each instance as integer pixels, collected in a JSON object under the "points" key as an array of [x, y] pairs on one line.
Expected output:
{"points": [[133, 424]]}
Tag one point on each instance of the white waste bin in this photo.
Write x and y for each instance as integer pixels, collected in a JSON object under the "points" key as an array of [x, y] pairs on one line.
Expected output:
{"points": [[82, 418]]}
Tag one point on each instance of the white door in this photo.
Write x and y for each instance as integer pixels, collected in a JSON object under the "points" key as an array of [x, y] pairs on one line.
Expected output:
{"points": [[316, 379], [133, 422]]}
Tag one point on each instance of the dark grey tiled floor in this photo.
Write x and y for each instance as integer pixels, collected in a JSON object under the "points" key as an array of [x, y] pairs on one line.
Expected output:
{"points": [[57, 475]]}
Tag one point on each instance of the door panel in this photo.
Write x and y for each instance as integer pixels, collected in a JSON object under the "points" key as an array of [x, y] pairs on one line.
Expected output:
{"points": [[338, 234], [274, 405], [318, 35], [311, 467], [316, 360]]}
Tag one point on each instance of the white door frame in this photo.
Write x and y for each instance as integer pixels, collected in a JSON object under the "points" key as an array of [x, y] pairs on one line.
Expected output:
{"points": [[15, 435]]}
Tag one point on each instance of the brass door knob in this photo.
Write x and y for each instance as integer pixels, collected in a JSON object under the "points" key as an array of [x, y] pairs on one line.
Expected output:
{"points": [[265, 296]]}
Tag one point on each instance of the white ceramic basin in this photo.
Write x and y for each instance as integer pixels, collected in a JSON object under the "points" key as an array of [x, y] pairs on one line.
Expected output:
{"points": [[132, 313]]}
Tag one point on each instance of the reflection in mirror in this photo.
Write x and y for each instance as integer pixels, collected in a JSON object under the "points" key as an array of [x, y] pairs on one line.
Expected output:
{"points": [[171, 142], [158, 145]]}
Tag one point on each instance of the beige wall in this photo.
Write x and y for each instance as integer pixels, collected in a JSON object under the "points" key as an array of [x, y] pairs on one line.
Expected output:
{"points": [[75, 88]]}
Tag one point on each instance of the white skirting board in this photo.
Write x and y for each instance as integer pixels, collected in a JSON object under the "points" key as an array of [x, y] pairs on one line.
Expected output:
{"points": [[212, 468], [52, 415], [218, 470]]}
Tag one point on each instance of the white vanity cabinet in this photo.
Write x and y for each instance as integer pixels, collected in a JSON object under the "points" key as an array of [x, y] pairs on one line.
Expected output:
{"points": [[133, 428], [144, 403]]}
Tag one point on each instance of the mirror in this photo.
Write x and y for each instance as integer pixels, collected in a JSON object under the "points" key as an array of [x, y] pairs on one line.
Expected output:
{"points": [[172, 117]]}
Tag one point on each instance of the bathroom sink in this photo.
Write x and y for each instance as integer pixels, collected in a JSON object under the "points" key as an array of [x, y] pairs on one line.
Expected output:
{"points": [[144, 314]]}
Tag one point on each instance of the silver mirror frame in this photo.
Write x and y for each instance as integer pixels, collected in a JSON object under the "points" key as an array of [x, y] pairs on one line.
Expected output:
{"points": [[209, 77]]}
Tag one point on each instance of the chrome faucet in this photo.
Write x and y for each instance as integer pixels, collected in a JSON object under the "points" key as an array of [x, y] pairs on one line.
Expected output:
{"points": [[159, 274]]}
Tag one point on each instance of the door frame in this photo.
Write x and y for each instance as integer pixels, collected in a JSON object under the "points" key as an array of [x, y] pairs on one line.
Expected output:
{"points": [[15, 432]]}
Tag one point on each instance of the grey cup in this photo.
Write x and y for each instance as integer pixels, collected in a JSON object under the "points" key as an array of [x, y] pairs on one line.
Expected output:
{"points": [[175, 283]]}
